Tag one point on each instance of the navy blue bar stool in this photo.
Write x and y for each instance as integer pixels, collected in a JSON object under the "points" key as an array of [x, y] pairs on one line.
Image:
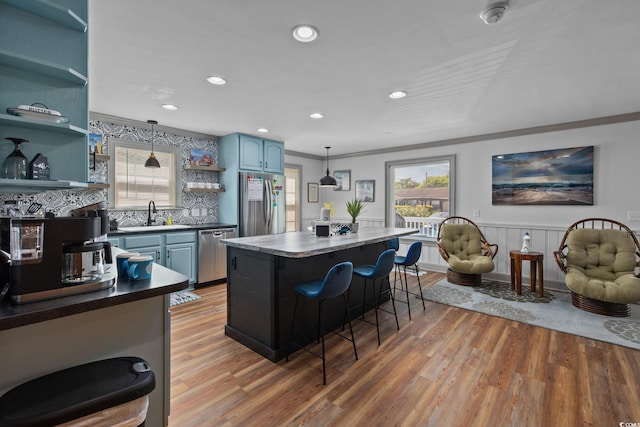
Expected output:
{"points": [[380, 271], [335, 283], [411, 259], [394, 244]]}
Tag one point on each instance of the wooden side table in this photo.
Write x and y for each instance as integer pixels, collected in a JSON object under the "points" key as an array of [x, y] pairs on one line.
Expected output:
{"points": [[536, 267]]}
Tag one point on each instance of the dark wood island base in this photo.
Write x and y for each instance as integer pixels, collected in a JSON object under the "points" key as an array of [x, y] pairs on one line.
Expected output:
{"points": [[261, 281]]}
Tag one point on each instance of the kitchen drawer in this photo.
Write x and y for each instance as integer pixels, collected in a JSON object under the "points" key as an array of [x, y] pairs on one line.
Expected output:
{"points": [[173, 238], [131, 242]]}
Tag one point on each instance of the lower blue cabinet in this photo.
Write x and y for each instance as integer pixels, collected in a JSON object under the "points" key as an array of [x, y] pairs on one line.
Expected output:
{"points": [[177, 251]]}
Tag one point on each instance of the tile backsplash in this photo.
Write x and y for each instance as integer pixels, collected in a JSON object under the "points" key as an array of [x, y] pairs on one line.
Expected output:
{"points": [[197, 208]]}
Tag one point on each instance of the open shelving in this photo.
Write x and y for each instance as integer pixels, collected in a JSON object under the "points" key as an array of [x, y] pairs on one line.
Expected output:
{"points": [[45, 68], [49, 10], [204, 190], [204, 168], [46, 63]]}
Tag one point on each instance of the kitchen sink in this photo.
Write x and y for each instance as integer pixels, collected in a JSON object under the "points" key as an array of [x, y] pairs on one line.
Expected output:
{"points": [[153, 227]]}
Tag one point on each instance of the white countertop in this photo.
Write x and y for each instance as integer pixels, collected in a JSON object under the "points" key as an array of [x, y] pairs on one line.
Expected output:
{"points": [[303, 244]]}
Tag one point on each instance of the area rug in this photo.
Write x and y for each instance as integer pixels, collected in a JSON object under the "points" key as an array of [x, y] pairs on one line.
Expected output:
{"points": [[182, 297], [553, 311]]}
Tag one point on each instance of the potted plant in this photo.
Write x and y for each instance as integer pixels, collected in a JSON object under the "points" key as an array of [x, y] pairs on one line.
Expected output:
{"points": [[354, 208]]}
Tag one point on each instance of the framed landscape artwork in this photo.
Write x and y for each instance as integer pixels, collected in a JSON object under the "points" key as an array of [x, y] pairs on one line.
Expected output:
{"points": [[552, 177], [365, 190], [343, 180]]}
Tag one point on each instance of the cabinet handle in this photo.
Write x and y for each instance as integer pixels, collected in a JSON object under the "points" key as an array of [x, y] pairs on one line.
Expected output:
{"points": [[259, 162]]}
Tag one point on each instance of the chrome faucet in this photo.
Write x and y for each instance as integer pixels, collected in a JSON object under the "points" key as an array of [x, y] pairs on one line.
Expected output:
{"points": [[149, 212]]}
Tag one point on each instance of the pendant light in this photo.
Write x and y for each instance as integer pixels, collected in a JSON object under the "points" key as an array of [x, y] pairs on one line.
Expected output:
{"points": [[152, 162], [328, 181]]}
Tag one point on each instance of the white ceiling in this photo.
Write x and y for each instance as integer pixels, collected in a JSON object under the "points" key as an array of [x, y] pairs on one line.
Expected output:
{"points": [[545, 62]]}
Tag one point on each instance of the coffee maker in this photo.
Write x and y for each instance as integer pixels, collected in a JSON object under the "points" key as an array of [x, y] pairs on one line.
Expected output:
{"points": [[44, 258]]}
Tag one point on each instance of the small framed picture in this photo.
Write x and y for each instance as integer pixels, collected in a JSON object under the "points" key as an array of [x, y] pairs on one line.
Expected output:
{"points": [[343, 180], [95, 143], [201, 158], [366, 190], [312, 192]]}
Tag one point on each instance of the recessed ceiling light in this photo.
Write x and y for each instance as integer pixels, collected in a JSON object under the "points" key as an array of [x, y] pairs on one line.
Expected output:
{"points": [[263, 130], [216, 80], [397, 94], [305, 33], [316, 115], [170, 107]]}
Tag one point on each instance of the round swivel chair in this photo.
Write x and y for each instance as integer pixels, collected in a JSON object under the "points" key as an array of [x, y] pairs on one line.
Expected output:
{"points": [[335, 283]]}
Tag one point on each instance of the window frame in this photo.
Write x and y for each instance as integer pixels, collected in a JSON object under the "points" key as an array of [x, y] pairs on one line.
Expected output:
{"points": [[390, 184], [137, 145]]}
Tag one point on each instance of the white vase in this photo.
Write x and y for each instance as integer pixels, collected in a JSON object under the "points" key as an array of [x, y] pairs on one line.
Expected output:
{"points": [[354, 227]]}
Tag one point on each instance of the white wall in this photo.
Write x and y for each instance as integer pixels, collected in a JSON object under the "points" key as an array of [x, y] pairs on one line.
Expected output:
{"points": [[617, 152]]}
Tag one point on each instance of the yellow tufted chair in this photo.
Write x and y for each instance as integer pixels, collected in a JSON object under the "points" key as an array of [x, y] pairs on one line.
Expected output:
{"points": [[599, 257], [466, 250]]}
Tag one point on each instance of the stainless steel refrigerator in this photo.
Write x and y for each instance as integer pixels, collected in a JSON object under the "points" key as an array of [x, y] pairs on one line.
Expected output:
{"points": [[262, 204]]}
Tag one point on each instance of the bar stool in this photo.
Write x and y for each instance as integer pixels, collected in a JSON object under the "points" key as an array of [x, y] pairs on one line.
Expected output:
{"points": [[411, 259], [335, 283], [380, 270], [394, 243]]}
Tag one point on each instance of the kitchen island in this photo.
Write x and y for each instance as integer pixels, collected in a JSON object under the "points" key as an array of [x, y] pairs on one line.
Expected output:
{"points": [[263, 270], [128, 319]]}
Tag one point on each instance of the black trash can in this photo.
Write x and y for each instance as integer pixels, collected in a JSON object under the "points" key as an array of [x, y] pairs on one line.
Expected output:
{"points": [[113, 391]]}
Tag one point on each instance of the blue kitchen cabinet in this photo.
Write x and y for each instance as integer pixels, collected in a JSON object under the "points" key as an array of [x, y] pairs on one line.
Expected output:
{"points": [[176, 250], [116, 242], [181, 253], [273, 157], [43, 60], [250, 153], [146, 244]]}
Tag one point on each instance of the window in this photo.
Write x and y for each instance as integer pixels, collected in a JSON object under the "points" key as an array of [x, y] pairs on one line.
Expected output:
{"points": [[133, 185], [292, 189], [420, 193]]}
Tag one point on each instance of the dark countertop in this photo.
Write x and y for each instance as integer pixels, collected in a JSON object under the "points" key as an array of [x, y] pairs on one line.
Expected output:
{"points": [[163, 281], [303, 244], [191, 227]]}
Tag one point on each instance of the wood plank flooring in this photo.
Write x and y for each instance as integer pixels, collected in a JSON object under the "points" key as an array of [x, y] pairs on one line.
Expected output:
{"points": [[446, 367]]}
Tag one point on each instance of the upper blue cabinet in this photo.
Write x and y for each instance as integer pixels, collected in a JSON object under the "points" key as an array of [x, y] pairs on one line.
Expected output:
{"points": [[43, 61], [253, 153]]}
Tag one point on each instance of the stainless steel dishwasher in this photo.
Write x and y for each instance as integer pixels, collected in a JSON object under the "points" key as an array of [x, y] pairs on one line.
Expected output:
{"points": [[212, 255]]}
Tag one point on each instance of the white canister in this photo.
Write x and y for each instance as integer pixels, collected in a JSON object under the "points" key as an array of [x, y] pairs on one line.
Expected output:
{"points": [[325, 214]]}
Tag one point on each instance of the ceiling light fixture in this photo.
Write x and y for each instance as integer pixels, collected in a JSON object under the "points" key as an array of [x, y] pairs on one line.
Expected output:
{"points": [[305, 33], [397, 94], [263, 130], [170, 107], [216, 80], [152, 162], [494, 12], [316, 115], [328, 181]]}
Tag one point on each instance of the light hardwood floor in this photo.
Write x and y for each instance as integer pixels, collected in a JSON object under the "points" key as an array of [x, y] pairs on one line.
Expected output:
{"points": [[445, 367]]}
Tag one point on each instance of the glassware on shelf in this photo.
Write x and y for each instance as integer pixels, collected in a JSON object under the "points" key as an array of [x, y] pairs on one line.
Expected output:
{"points": [[15, 165]]}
